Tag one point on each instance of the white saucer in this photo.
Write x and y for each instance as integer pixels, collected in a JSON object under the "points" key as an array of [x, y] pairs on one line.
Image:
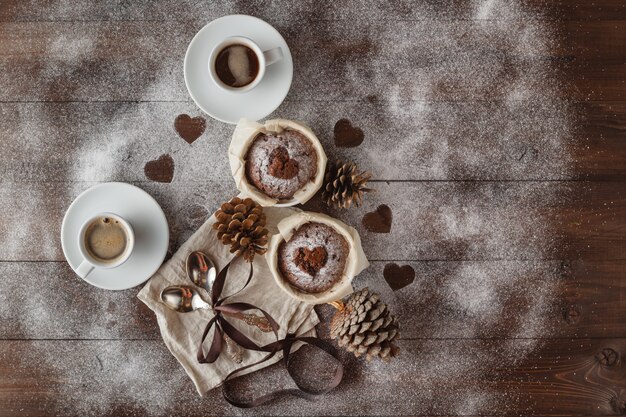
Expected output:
{"points": [[230, 107], [146, 218]]}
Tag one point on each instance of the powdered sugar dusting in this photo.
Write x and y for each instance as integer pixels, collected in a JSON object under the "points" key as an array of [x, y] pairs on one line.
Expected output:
{"points": [[258, 163], [71, 47], [113, 378], [438, 99], [460, 289], [474, 294], [484, 9], [472, 99], [497, 61], [37, 294], [311, 236]]}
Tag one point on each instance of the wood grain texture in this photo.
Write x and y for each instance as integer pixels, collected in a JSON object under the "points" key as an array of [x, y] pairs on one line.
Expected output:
{"points": [[172, 10], [501, 157], [583, 220], [337, 62], [117, 139], [593, 290], [563, 377]]}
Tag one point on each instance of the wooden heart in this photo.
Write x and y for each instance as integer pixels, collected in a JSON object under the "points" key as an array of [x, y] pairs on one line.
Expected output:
{"points": [[347, 135], [311, 260], [398, 276], [160, 169], [189, 128], [378, 221]]}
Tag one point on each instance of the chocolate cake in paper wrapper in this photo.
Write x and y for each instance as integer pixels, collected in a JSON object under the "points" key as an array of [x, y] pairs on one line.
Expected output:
{"points": [[356, 260], [243, 137]]}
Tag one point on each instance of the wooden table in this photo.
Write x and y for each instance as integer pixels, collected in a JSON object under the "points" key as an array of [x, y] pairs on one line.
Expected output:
{"points": [[496, 136]]}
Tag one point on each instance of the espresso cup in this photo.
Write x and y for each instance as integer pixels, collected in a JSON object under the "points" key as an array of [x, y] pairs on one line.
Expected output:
{"points": [[87, 242], [263, 60]]}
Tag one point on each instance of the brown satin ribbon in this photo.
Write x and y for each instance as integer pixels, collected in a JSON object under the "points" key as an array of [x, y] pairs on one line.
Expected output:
{"points": [[285, 345]]}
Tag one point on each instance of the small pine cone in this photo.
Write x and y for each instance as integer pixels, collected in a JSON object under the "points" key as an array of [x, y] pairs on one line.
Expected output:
{"points": [[241, 224], [343, 185], [365, 326]]}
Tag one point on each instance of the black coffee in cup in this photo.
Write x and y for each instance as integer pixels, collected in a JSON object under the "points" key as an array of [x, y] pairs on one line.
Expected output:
{"points": [[237, 65]]}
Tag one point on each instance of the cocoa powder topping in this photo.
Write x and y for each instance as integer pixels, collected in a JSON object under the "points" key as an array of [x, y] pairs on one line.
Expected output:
{"points": [[311, 261], [281, 166]]}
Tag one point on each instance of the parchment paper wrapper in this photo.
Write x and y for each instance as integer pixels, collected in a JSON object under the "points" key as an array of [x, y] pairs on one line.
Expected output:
{"points": [[244, 134], [181, 332], [356, 261]]}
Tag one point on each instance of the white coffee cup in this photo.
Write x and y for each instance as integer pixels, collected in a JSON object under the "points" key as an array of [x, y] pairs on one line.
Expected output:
{"points": [[266, 58], [90, 262]]}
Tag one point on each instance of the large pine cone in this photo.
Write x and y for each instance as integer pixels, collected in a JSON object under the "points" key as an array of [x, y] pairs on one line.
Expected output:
{"points": [[241, 224], [343, 185], [365, 326]]}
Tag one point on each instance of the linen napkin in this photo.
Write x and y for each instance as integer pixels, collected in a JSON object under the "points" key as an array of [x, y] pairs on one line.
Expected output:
{"points": [[181, 332]]}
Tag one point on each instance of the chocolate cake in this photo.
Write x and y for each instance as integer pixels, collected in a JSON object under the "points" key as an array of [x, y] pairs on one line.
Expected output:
{"points": [[314, 259], [279, 164]]}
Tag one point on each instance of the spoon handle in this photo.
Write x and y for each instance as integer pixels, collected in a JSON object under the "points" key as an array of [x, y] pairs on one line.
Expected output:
{"points": [[253, 320]]}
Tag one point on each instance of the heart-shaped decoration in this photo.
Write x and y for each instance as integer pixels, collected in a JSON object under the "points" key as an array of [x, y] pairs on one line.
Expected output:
{"points": [[347, 135], [160, 169], [189, 128], [281, 165], [378, 221], [398, 276], [311, 260]]}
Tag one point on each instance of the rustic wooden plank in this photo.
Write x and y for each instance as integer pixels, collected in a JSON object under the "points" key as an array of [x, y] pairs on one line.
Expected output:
{"points": [[432, 61], [486, 255], [603, 9], [603, 157], [430, 377], [447, 300], [581, 377], [503, 299], [592, 40], [551, 140], [495, 220], [46, 300], [431, 220], [169, 10]]}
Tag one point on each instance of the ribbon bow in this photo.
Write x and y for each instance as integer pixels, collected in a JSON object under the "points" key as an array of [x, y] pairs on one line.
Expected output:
{"points": [[285, 345]]}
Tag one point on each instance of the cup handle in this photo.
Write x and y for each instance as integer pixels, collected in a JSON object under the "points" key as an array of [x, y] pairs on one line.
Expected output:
{"points": [[84, 269], [273, 55]]}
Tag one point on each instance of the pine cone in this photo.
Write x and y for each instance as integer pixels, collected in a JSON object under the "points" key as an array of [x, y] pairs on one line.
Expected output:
{"points": [[365, 326], [241, 224], [342, 185]]}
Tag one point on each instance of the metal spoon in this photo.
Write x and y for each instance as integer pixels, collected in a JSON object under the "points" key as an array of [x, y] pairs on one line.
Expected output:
{"points": [[202, 272], [185, 299]]}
